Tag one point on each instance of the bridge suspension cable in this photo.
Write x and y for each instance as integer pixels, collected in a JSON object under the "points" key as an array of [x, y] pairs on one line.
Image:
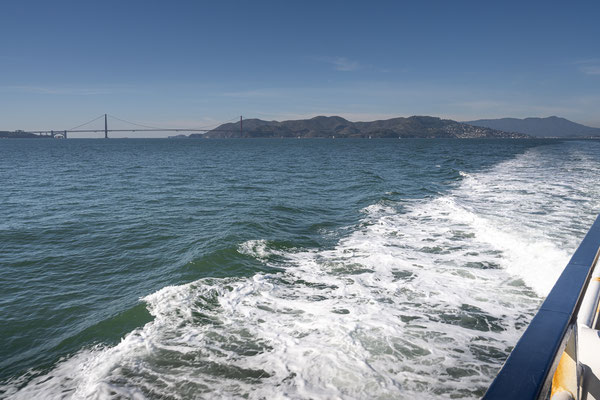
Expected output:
{"points": [[89, 122], [207, 127], [133, 123]]}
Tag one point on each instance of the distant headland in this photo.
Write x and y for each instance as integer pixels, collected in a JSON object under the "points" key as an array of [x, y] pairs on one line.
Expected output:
{"points": [[540, 127], [338, 127], [21, 135]]}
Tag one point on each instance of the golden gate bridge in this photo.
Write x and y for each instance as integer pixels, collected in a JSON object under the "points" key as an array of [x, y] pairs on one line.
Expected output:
{"points": [[138, 128]]}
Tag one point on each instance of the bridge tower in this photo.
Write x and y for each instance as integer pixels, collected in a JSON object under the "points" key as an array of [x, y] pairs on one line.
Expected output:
{"points": [[105, 128], [241, 126]]}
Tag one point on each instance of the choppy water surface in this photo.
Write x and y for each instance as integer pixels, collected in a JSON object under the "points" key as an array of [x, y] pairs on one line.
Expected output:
{"points": [[353, 269]]}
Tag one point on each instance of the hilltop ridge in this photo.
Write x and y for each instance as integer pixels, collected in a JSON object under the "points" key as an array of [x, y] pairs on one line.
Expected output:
{"points": [[335, 126], [539, 127]]}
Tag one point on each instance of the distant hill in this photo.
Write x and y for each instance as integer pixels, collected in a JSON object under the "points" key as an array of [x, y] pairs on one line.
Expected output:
{"points": [[539, 127], [411, 127], [20, 135]]}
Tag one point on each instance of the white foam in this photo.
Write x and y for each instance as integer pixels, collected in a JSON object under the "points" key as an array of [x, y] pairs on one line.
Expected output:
{"points": [[255, 248]]}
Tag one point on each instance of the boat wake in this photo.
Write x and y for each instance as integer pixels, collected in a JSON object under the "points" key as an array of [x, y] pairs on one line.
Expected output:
{"points": [[423, 299]]}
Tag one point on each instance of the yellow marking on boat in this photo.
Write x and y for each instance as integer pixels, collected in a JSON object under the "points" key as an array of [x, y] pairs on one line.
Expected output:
{"points": [[563, 377]]}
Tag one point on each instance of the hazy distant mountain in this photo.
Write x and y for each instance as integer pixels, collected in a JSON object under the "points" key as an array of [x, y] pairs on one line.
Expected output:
{"points": [[411, 127], [20, 135], [539, 127]]}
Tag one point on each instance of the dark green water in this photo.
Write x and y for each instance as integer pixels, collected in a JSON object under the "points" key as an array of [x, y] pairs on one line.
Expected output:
{"points": [[293, 268]]}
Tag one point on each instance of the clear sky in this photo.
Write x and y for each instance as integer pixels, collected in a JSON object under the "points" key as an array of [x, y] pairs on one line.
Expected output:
{"points": [[196, 63]]}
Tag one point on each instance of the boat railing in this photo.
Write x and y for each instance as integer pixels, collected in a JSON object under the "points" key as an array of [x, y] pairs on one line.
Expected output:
{"points": [[544, 362]]}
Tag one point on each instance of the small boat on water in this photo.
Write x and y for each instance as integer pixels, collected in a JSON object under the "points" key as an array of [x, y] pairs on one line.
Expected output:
{"points": [[558, 356]]}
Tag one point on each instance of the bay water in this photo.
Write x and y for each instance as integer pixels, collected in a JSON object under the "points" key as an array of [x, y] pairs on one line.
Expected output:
{"points": [[276, 269]]}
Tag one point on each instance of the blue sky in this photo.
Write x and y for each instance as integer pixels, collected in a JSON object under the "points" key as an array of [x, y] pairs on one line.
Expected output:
{"points": [[194, 63]]}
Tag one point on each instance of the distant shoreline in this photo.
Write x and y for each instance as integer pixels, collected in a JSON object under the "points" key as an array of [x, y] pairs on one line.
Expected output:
{"points": [[305, 138]]}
